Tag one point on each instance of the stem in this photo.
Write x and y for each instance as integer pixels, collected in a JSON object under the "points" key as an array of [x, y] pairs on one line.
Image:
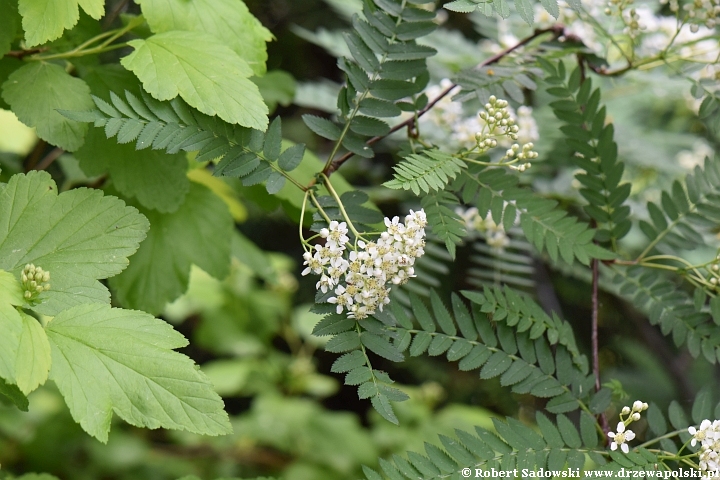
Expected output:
{"points": [[81, 50], [328, 185], [302, 217], [594, 338]]}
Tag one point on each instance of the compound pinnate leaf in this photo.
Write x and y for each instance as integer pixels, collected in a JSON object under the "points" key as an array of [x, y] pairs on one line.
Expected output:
{"points": [[107, 359], [79, 236], [37, 90], [45, 20], [206, 73], [198, 232], [228, 20]]}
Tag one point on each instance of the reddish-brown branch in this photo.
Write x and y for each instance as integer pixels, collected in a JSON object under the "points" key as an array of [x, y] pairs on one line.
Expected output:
{"points": [[20, 54], [556, 30], [49, 158]]}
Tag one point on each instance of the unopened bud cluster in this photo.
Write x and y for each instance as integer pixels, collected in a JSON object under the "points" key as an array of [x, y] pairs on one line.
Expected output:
{"points": [[500, 125], [359, 277], [34, 281], [524, 153], [499, 121], [624, 435]]}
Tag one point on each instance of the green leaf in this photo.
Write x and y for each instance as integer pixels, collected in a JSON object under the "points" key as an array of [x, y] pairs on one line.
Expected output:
{"points": [[128, 367], [37, 90], [461, 6], [600, 401], [275, 183], [229, 21], [430, 171], [79, 236], [203, 71], [568, 431], [343, 342], [381, 346], [45, 20], [525, 9], [322, 126], [198, 232], [702, 407], [382, 405], [291, 157], [11, 325], [273, 140], [677, 415], [348, 362], [11, 394], [33, 356], [9, 23], [156, 179], [10, 289]]}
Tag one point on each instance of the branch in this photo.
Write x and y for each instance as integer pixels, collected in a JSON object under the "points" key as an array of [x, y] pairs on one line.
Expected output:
{"points": [[556, 30], [20, 54]]}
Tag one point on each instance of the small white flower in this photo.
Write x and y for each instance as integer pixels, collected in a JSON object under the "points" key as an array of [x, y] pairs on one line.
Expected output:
{"points": [[621, 437]]}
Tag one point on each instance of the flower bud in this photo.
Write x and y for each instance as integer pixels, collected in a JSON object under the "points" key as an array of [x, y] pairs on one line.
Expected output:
{"points": [[636, 416], [625, 410]]}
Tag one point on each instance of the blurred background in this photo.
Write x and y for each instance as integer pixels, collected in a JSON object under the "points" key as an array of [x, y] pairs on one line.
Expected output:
{"points": [[250, 332]]}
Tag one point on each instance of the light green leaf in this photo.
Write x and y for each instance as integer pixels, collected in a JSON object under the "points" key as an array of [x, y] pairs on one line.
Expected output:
{"points": [[206, 73], [107, 359], [228, 20], [45, 20], [33, 356], [9, 23], [36, 90], [11, 326], [78, 236], [158, 180], [10, 289], [198, 232]]}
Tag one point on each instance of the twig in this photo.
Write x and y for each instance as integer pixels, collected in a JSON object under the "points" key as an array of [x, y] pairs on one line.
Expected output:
{"points": [[594, 337], [49, 159], [556, 30], [115, 12], [20, 54]]}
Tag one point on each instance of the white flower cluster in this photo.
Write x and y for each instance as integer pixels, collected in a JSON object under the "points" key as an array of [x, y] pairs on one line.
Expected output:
{"points": [[706, 12], [624, 435], [494, 234], [34, 281], [359, 275], [709, 437]]}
